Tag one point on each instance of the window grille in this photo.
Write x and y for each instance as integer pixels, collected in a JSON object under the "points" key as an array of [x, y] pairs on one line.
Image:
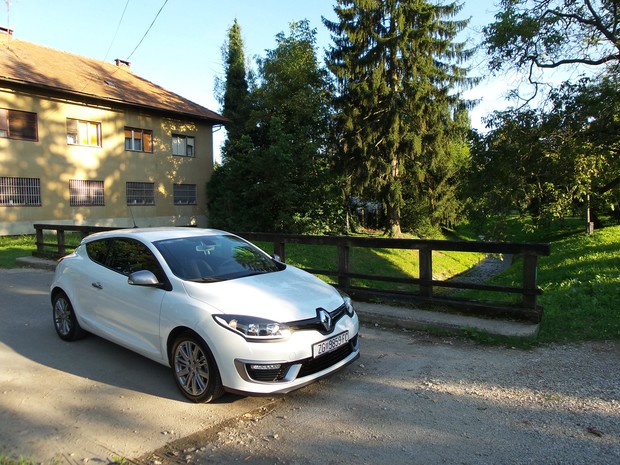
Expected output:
{"points": [[185, 194], [85, 193], [140, 193], [20, 192]]}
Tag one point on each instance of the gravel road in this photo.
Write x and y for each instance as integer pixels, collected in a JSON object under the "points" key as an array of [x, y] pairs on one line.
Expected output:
{"points": [[418, 399], [411, 398]]}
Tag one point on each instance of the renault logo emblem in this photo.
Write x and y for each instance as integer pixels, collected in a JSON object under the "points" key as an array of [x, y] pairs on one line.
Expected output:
{"points": [[325, 319]]}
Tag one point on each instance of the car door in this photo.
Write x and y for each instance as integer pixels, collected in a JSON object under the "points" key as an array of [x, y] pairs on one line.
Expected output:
{"points": [[128, 314]]}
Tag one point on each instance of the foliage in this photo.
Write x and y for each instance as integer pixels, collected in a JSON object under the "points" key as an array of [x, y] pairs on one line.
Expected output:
{"points": [[277, 175], [547, 163], [543, 34], [234, 93], [396, 66]]}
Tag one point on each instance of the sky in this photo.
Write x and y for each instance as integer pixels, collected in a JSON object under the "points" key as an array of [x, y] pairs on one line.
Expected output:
{"points": [[177, 44]]}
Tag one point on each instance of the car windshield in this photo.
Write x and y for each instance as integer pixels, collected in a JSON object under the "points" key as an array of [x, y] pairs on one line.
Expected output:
{"points": [[214, 258]]}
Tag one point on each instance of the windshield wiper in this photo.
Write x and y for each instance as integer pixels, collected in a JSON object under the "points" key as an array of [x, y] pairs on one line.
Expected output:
{"points": [[207, 279]]}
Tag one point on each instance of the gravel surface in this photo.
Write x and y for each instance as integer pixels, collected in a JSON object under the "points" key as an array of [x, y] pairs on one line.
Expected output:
{"points": [[417, 399]]}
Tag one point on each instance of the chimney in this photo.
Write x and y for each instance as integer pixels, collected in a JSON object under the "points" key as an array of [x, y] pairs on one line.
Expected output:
{"points": [[122, 63], [9, 35]]}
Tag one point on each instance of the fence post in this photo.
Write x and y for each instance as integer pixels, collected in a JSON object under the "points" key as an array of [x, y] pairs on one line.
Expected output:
{"points": [[279, 249], [426, 271], [529, 280], [60, 234], [39, 233], [343, 265]]}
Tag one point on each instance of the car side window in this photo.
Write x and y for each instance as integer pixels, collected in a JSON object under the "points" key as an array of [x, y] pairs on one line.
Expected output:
{"points": [[98, 251], [129, 255]]}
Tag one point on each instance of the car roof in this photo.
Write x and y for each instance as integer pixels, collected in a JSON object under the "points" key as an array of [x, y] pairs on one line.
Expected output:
{"points": [[155, 234]]}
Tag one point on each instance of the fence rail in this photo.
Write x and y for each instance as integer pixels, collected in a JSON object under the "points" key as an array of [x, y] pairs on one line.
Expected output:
{"points": [[527, 309]]}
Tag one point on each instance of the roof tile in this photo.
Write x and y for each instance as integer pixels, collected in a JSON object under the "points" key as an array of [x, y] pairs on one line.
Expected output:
{"points": [[27, 63]]}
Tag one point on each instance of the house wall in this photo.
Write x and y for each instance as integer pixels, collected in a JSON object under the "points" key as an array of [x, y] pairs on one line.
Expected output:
{"points": [[56, 163]]}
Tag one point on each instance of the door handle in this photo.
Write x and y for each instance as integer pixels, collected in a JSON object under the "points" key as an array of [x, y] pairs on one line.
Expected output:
{"points": [[97, 285]]}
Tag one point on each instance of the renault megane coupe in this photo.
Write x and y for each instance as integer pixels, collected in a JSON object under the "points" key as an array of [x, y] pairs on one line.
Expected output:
{"points": [[223, 314]]}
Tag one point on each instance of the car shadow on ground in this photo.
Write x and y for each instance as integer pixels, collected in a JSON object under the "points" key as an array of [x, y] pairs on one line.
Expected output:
{"points": [[28, 331]]}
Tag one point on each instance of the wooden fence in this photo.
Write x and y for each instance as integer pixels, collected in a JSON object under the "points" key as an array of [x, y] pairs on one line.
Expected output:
{"points": [[429, 291]]}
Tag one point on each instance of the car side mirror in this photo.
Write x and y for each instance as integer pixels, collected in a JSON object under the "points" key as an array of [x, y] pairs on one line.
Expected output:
{"points": [[144, 278]]}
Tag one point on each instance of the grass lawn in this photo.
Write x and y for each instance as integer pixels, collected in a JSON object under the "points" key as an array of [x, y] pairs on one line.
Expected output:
{"points": [[580, 281]]}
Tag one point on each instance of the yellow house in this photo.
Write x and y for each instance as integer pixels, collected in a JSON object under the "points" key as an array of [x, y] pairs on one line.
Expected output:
{"points": [[86, 142]]}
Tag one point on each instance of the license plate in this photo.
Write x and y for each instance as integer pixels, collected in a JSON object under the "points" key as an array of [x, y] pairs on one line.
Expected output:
{"points": [[329, 345]]}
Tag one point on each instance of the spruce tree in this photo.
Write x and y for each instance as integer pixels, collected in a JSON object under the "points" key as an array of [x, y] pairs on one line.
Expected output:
{"points": [[397, 68], [233, 94]]}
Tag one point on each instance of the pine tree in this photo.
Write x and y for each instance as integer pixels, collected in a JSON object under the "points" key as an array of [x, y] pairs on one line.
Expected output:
{"points": [[397, 68]]}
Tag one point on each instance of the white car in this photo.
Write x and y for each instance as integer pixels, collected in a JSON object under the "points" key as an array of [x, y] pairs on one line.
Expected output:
{"points": [[223, 314]]}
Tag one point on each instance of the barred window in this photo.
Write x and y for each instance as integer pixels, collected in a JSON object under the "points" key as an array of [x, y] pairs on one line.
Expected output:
{"points": [[20, 192], [140, 193], [86, 133], [182, 145], [15, 124], [138, 140], [185, 194], [85, 193]]}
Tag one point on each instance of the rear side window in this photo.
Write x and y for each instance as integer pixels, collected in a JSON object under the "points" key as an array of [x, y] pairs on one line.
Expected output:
{"points": [[98, 251], [124, 256]]}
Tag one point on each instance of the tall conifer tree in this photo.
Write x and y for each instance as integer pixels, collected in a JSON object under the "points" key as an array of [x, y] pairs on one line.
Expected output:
{"points": [[234, 101], [397, 67]]}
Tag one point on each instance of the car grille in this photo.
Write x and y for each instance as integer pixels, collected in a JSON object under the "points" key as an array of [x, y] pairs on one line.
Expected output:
{"points": [[309, 366], [268, 376]]}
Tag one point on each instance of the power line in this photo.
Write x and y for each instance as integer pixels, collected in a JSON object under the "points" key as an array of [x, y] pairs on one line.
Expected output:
{"points": [[116, 33], [147, 31]]}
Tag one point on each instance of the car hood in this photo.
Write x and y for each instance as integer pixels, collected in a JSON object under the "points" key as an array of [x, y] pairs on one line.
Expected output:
{"points": [[287, 295]]}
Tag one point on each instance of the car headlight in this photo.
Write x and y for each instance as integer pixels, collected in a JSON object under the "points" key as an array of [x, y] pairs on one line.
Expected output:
{"points": [[348, 303], [254, 328]]}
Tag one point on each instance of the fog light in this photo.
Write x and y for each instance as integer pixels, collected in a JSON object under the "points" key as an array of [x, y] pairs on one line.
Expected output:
{"points": [[275, 366]]}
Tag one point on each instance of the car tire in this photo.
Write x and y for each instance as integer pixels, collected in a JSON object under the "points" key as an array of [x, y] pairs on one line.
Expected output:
{"points": [[194, 369], [65, 321]]}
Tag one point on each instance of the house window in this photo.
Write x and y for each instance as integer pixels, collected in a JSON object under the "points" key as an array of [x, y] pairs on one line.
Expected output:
{"points": [[182, 145], [138, 140], [185, 194], [85, 133], [15, 124], [140, 193], [20, 192], [85, 193]]}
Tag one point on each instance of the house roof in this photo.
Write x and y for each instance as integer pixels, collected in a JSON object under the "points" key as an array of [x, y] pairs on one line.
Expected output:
{"points": [[46, 68]]}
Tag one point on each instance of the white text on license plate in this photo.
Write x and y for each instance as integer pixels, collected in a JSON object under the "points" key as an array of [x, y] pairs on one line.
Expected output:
{"points": [[329, 345]]}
